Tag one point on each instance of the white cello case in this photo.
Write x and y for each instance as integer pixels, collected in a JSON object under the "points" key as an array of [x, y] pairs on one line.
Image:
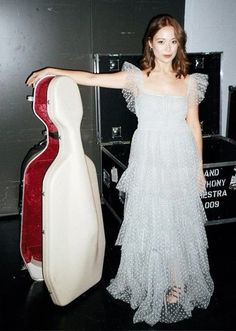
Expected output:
{"points": [[73, 234]]}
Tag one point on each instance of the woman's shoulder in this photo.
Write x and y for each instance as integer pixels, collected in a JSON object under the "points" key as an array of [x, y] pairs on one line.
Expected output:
{"points": [[130, 67], [197, 78], [133, 73], [197, 85]]}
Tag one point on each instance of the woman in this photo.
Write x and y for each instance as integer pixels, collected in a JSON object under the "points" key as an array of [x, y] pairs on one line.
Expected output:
{"points": [[164, 270]]}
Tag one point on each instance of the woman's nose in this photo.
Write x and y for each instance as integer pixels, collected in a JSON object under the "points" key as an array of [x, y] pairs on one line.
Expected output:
{"points": [[168, 47]]}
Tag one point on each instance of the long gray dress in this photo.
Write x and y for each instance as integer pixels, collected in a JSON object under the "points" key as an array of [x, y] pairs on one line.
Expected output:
{"points": [[163, 239]]}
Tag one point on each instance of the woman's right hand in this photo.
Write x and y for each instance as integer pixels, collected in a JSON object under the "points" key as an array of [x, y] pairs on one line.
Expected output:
{"points": [[201, 181], [36, 75]]}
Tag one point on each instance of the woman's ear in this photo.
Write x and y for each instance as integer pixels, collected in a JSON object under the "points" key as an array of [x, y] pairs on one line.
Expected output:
{"points": [[150, 43]]}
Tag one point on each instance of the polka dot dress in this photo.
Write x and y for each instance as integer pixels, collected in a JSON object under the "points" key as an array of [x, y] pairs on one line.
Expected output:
{"points": [[164, 270]]}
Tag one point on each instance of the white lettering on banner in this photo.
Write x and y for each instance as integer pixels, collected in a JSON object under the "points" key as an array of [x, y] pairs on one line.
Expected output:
{"points": [[214, 194], [213, 184], [212, 204], [212, 172]]}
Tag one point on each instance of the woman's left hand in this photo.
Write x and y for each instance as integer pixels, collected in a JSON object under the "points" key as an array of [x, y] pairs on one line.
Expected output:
{"points": [[36, 75], [201, 181]]}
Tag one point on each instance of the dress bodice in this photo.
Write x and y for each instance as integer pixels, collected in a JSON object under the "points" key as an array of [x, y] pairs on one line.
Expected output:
{"points": [[160, 111], [156, 111]]}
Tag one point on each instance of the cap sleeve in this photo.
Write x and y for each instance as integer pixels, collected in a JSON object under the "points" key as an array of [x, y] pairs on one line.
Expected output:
{"points": [[132, 84], [197, 88]]}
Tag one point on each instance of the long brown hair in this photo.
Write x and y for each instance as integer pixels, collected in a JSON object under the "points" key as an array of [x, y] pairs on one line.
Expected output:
{"points": [[180, 63]]}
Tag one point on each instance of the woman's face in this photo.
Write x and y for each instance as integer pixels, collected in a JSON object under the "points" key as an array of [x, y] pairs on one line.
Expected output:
{"points": [[164, 44]]}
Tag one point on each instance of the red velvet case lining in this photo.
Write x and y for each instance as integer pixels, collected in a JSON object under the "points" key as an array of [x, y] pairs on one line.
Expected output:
{"points": [[31, 226]]}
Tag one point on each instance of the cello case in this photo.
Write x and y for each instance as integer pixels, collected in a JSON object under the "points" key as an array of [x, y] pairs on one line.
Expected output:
{"points": [[73, 241]]}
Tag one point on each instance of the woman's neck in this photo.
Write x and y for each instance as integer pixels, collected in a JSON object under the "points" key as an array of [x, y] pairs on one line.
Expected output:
{"points": [[163, 68]]}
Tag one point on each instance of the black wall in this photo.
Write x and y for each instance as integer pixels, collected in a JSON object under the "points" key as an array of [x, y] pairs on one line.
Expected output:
{"points": [[63, 33]]}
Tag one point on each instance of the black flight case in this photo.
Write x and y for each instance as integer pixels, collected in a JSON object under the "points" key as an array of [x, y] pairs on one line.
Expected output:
{"points": [[116, 124]]}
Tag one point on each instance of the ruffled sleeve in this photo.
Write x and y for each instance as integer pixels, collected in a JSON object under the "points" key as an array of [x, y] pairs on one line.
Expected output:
{"points": [[197, 88], [131, 89]]}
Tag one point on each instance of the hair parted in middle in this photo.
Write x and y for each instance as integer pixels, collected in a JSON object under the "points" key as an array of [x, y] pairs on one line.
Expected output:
{"points": [[180, 63]]}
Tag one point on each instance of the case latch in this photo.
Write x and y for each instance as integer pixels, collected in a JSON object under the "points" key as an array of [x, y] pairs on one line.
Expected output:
{"points": [[106, 178], [116, 132], [114, 65]]}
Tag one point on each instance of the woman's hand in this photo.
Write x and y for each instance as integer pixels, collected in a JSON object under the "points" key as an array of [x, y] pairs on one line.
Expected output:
{"points": [[36, 75], [201, 181]]}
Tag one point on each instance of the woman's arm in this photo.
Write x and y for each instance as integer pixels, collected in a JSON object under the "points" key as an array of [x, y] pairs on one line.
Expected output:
{"points": [[110, 80], [194, 124]]}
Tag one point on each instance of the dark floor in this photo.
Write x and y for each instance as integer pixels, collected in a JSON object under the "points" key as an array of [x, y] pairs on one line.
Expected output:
{"points": [[26, 305]]}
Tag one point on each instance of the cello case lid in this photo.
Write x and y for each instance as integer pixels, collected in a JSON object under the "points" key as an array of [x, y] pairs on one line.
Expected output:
{"points": [[73, 235]]}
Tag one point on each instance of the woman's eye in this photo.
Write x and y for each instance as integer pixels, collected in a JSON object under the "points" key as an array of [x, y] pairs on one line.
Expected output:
{"points": [[160, 41], [174, 41]]}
